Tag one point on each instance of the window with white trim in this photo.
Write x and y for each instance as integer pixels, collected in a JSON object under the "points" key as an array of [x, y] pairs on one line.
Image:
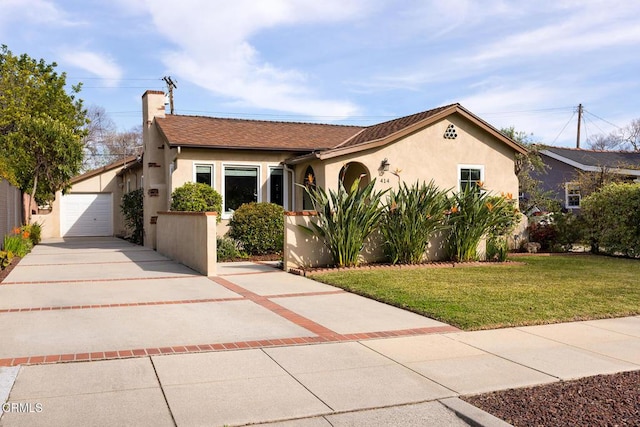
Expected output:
{"points": [[203, 173], [276, 185], [470, 175], [240, 186], [572, 196]]}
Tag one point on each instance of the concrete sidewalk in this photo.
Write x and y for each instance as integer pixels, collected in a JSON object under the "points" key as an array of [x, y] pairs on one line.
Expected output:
{"points": [[149, 342]]}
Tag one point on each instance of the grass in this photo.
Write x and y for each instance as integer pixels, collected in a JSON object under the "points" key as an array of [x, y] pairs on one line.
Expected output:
{"points": [[544, 290]]}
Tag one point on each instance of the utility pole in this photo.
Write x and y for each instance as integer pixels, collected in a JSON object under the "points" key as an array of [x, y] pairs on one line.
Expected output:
{"points": [[579, 121], [170, 86]]}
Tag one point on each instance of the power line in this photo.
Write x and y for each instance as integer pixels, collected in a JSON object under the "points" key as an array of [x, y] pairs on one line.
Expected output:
{"points": [[565, 126]]}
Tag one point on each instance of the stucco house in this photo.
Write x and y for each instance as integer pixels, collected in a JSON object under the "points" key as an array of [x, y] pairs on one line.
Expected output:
{"points": [[253, 160], [564, 165]]}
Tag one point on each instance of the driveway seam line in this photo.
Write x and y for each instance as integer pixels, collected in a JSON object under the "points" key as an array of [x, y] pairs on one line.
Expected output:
{"points": [[164, 395], [118, 305], [124, 279], [298, 381]]}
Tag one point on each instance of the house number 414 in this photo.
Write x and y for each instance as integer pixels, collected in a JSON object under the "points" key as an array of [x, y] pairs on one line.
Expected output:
{"points": [[384, 180]]}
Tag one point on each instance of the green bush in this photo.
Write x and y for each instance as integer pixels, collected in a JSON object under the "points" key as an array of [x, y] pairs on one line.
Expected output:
{"points": [[612, 219], [19, 244], [411, 216], [345, 219], [497, 249], [132, 211], [228, 249], [196, 197], [5, 259], [259, 227], [35, 232]]}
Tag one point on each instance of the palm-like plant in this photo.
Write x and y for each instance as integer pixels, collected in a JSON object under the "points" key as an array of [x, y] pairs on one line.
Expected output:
{"points": [[473, 215], [345, 219], [411, 217]]}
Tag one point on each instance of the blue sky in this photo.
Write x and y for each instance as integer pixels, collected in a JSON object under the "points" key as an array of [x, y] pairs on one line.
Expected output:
{"points": [[524, 63]]}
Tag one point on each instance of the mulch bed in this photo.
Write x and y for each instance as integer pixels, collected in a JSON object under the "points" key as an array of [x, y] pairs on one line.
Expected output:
{"points": [[602, 400], [382, 266], [4, 273]]}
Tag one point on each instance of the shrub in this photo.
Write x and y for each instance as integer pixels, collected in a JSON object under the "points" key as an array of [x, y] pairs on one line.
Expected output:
{"points": [[612, 218], [410, 218], [35, 232], [18, 243], [132, 211], [475, 214], [5, 259], [196, 197], [497, 249], [228, 249], [345, 219], [544, 233], [259, 227]]}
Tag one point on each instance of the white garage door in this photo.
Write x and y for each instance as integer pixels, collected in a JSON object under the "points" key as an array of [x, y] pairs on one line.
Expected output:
{"points": [[88, 214]]}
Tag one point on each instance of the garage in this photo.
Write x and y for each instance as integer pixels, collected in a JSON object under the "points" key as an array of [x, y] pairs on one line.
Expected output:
{"points": [[87, 214]]}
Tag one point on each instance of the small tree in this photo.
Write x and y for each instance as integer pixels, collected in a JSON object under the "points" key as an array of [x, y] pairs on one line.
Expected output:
{"points": [[40, 125], [196, 197], [132, 210], [345, 219]]}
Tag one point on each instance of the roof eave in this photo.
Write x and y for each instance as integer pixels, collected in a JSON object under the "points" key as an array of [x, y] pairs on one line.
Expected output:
{"points": [[589, 168], [456, 108]]}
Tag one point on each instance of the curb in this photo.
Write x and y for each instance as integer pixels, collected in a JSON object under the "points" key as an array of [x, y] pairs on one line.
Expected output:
{"points": [[476, 417]]}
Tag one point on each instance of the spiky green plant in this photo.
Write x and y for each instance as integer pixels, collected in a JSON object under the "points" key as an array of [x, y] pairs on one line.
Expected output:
{"points": [[345, 219], [410, 219], [473, 215]]}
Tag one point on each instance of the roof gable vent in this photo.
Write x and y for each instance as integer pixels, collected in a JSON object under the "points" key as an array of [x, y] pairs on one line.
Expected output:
{"points": [[450, 133]]}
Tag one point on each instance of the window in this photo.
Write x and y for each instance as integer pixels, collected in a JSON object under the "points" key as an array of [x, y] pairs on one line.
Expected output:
{"points": [[276, 186], [240, 186], [470, 176], [204, 174], [572, 196]]}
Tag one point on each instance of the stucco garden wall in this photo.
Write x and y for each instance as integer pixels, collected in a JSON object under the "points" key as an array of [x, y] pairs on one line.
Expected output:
{"points": [[302, 250], [189, 238]]}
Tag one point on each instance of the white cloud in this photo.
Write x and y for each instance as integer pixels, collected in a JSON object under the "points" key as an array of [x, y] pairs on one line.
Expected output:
{"points": [[214, 49], [34, 11], [99, 65]]}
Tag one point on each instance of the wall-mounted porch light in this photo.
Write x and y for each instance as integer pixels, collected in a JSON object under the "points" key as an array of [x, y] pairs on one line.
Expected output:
{"points": [[384, 165]]}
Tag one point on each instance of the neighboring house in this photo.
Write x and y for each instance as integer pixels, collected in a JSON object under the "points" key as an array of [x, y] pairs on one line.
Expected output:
{"points": [[91, 206], [268, 161], [564, 165]]}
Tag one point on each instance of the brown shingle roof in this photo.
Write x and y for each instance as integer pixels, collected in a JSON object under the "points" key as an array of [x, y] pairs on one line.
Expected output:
{"points": [[120, 163], [382, 130], [212, 132]]}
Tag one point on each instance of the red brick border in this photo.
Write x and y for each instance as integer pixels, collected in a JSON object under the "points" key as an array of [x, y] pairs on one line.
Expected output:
{"points": [[202, 348]]}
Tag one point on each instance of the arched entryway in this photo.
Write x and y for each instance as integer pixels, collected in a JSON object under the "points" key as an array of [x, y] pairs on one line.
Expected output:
{"points": [[309, 181], [352, 171]]}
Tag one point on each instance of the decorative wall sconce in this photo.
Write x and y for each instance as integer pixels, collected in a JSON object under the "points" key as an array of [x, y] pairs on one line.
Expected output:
{"points": [[384, 165]]}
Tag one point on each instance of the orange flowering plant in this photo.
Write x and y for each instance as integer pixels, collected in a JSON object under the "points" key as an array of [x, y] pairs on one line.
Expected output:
{"points": [[475, 214]]}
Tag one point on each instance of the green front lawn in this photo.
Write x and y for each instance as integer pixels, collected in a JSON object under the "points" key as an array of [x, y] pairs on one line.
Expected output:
{"points": [[547, 289]]}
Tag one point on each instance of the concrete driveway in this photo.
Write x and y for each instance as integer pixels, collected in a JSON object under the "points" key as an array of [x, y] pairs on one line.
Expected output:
{"points": [[167, 346]]}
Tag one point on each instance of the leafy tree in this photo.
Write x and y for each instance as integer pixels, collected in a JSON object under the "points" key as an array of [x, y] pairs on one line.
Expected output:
{"points": [[528, 165], [40, 125]]}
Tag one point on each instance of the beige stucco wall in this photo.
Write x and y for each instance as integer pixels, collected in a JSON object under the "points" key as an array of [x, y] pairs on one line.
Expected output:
{"points": [[427, 155], [104, 182], [303, 250], [154, 167], [186, 160], [189, 238]]}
